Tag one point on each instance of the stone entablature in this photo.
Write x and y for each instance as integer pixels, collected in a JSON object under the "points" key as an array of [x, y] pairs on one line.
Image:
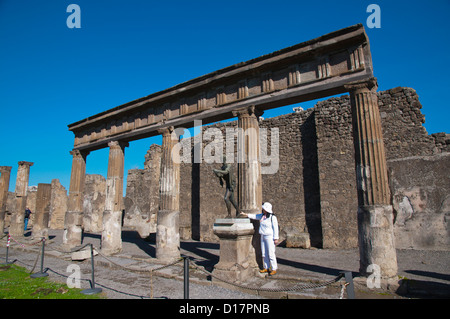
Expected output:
{"points": [[312, 69]]}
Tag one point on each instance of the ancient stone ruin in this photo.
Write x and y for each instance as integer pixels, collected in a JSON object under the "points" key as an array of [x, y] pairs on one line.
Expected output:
{"points": [[357, 170]]}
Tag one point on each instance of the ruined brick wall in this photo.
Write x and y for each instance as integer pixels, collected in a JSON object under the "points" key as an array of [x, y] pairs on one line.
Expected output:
{"points": [[314, 190]]}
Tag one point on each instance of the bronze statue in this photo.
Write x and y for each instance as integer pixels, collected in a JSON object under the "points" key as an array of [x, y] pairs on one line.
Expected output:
{"points": [[225, 173]]}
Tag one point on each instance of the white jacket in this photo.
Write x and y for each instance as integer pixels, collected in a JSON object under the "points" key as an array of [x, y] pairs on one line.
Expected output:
{"points": [[267, 226]]}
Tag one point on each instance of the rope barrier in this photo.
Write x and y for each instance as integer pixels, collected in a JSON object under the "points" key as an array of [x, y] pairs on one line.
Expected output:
{"points": [[292, 289], [295, 288]]}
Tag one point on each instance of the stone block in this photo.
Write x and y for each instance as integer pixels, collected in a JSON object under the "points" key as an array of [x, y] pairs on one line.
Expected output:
{"points": [[299, 240], [83, 254]]}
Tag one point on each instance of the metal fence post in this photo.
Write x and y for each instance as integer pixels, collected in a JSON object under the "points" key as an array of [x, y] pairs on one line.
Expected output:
{"points": [[41, 273], [350, 288], [7, 252], [92, 290], [186, 277]]}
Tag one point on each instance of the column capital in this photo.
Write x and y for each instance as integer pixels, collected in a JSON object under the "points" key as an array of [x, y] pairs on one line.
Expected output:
{"points": [[24, 163], [251, 110], [117, 144], [79, 153], [5, 168], [166, 130], [371, 85]]}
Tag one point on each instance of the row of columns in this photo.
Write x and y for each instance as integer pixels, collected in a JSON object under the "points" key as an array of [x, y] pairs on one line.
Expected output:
{"points": [[375, 218], [112, 216], [43, 197]]}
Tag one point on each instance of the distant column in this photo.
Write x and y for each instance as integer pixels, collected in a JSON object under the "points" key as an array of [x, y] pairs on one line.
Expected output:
{"points": [[5, 173], [42, 213], [167, 229], [17, 218], [249, 166], [375, 213], [112, 216], [73, 220]]}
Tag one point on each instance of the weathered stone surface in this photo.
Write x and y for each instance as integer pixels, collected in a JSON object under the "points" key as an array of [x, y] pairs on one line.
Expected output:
{"points": [[376, 240], [94, 203], [73, 232], [17, 218], [298, 240], [58, 205], [168, 225], [237, 259], [83, 254], [112, 216], [421, 201], [5, 173], [142, 194], [42, 213]]}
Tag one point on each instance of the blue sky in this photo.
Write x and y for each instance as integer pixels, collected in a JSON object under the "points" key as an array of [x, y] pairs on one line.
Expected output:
{"points": [[51, 76]]}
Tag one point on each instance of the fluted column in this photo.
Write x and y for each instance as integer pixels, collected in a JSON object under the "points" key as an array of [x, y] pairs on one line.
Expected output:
{"points": [[249, 166], [5, 173], [17, 218], [112, 216], [167, 229], [73, 220], [375, 213]]}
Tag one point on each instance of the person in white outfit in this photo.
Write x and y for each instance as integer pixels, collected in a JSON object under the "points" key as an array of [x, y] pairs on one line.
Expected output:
{"points": [[268, 229]]}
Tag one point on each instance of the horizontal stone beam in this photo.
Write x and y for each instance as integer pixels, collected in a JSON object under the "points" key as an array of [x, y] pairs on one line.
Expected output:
{"points": [[309, 70]]}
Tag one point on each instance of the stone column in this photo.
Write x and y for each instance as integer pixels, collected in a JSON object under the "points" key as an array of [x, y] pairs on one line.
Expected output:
{"points": [[375, 213], [249, 173], [5, 173], [17, 218], [112, 216], [73, 220], [249, 166], [167, 225], [42, 213]]}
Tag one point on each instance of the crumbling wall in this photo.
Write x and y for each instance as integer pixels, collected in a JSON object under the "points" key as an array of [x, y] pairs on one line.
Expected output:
{"points": [[142, 194]]}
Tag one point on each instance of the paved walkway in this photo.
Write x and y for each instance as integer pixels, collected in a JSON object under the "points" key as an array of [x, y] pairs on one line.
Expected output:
{"points": [[127, 275]]}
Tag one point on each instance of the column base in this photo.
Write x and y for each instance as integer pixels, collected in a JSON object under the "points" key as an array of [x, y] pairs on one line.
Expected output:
{"points": [[73, 230], [112, 233], [376, 240], [168, 236], [237, 262]]}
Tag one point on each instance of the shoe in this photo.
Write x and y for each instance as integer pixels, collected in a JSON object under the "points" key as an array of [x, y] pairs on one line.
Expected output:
{"points": [[273, 273], [263, 271]]}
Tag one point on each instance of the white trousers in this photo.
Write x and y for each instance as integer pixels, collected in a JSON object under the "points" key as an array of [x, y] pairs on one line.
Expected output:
{"points": [[268, 252]]}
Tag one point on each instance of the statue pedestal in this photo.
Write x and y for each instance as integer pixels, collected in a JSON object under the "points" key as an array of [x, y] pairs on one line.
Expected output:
{"points": [[237, 256]]}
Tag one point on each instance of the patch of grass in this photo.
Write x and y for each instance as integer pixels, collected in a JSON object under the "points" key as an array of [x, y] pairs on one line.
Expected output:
{"points": [[15, 283]]}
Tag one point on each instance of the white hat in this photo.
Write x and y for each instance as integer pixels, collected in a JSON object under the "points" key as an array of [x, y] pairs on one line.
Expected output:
{"points": [[267, 207]]}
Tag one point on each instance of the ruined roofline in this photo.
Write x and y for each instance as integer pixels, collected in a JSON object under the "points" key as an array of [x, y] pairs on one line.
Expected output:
{"points": [[310, 46]]}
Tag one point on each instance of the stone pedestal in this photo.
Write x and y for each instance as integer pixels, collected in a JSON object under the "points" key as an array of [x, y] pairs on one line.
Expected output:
{"points": [[237, 260]]}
